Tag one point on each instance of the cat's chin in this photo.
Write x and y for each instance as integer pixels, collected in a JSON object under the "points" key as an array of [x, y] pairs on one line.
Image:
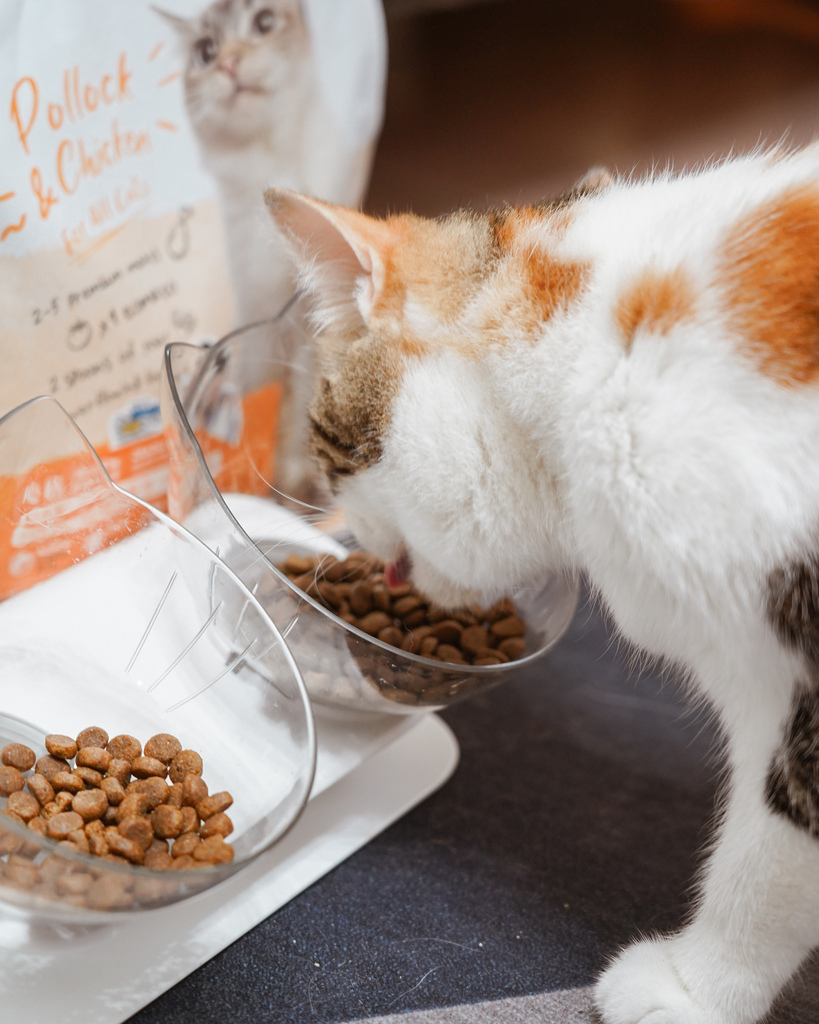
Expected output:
{"points": [[442, 590]]}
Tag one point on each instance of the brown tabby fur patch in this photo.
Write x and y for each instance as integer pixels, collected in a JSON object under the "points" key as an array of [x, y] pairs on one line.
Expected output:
{"points": [[350, 411], [771, 271], [792, 785]]}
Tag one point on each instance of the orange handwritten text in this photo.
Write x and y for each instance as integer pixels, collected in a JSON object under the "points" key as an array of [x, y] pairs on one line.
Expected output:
{"points": [[76, 161], [77, 99]]}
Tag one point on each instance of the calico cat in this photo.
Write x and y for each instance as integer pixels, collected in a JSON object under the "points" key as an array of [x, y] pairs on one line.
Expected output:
{"points": [[254, 103], [624, 382]]}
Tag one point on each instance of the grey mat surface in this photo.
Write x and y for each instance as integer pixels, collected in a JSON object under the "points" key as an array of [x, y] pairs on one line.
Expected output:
{"points": [[572, 824]]}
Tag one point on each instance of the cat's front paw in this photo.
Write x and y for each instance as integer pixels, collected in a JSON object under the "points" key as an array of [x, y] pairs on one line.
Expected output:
{"points": [[643, 987]]}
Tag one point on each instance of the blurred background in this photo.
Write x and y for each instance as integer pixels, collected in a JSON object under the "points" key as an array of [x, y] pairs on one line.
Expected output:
{"points": [[496, 101]]}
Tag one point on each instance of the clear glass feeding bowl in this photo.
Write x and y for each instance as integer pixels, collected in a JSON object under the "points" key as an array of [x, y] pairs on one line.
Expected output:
{"points": [[112, 615], [220, 407]]}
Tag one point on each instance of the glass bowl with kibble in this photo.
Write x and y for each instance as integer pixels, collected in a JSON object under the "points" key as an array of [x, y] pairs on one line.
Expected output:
{"points": [[360, 643], [143, 690]]}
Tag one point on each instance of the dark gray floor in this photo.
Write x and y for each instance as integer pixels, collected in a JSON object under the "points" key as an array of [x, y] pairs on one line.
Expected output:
{"points": [[572, 823]]}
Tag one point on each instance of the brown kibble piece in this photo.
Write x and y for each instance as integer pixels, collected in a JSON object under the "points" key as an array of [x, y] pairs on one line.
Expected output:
{"points": [[374, 622], [402, 606], [90, 776], [49, 810], [94, 757], [41, 788], [131, 806], [186, 762], [22, 874], [185, 844], [124, 747], [154, 789], [448, 631], [164, 747], [218, 824], [19, 756], [298, 565], [513, 647], [80, 840], [174, 794], [416, 618], [61, 746], [93, 736], [446, 652], [97, 843], [122, 846], [119, 769], [67, 781], [62, 824], [213, 851], [76, 882], [148, 767], [361, 598], [38, 825], [167, 821], [190, 819], [139, 829], [108, 893], [11, 780], [49, 766], [194, 789], [182, 862], [391, 635], [213, 804], [428, 646], [158, 860], [512, 625], [24, 804], [114, 793], [436, 613], [90, 804], [63, 799], [473, 638]]}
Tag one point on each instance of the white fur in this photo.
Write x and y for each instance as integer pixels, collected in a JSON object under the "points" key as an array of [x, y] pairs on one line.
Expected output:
{"points": [[675, 475]]}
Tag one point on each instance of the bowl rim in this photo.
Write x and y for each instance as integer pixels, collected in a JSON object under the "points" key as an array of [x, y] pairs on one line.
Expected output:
{"points": [[217, 872], [210, 353]]}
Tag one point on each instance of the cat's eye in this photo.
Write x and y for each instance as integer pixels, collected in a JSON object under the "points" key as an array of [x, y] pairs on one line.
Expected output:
{"points": [[205, 50], [265, 21]]}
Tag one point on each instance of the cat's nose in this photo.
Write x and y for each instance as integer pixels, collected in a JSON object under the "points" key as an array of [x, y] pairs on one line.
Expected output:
{"points": [[228, 62]]}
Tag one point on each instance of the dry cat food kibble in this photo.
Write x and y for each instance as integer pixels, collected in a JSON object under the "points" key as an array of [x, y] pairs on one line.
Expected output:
{"points": [[117, 802], [356, 591]]}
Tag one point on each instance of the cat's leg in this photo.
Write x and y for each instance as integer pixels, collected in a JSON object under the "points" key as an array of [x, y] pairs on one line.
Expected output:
{"points": [[758, 912]]}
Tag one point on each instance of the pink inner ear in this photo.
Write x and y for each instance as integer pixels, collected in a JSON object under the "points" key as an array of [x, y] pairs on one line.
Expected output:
{"points": [[337, 250], [319, 233]]}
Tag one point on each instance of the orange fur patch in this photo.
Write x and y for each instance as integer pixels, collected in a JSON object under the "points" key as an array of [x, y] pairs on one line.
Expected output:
{"points": [[655, 302], [770, 269], [554, 285]]}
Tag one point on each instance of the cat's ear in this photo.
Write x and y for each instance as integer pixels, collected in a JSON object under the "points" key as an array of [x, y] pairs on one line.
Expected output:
{"points": [[182, 26], [339, 254], [594, 180]]}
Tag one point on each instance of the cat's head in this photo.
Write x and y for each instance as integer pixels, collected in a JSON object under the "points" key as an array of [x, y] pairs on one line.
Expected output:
{"points": [[240, 55], [434, 475]]}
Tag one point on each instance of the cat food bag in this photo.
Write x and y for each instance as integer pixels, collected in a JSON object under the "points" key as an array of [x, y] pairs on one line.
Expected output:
{"points": [[136, 143]]}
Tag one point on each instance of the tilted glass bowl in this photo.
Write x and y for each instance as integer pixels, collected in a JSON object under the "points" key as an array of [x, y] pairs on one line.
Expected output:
{"points": [[219, 406], [113, 615]]}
